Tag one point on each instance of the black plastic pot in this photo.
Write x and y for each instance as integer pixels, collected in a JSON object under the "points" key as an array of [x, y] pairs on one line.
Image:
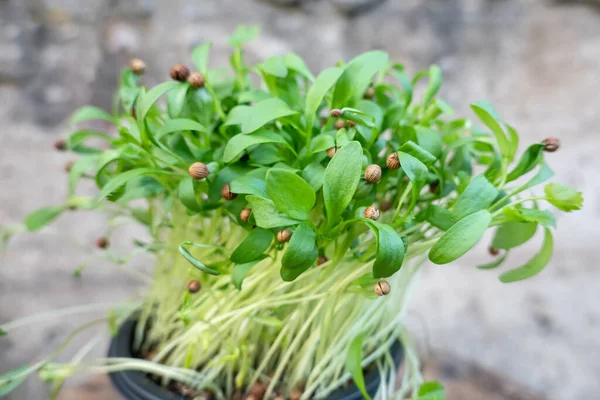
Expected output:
{"points": [[135, 385]]}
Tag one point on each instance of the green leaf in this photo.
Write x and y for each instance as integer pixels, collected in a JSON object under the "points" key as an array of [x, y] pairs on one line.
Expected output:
{"points": [[495, 263], [75, 141], [418, 152], [542, 217], [266, 214], [241, 270], [257, 116], [178, 125], [88, 113], [42, 217], [80, 167], [533, 266], [176, 99], [147, 100], [321, 143], [290, 193], [460, 238], [314, 174], [435, 81], [246, 184], [358, 116], [356, 78], [120, 180], [200, 57], [354, 359], [139, 188], [341, 180], [275, 66], [301, 253], [429, 140], [253, 246], [390, 250], [478, 195], [530, 158], [316, 93], [490, 118], [292, 61], [187, 194], [416, 172], [243, 34], [563, 198], [241, 142], [3, 332], [193, 260], [513, 234], [439, 217], [432, 390]]}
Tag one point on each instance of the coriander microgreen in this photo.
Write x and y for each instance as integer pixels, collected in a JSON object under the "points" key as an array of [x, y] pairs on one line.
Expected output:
{"points": [[353, 177]]}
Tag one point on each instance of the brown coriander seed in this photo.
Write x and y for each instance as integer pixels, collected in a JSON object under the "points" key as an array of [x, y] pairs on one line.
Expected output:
{"points": [[60, 145], [373, 173], [284, 235], [493, 251], [322, 260], [137, 66], [102, 243], [196, 80], [258, 390], [198, 170], [335, 113], [551, 144], [385, 205], [227, 194], [351, 124], [382, 288], [69, 166], [331, 151], [371, 212], [179, 72], [369, 93], [245, 214], [194, 286], [295, 394], [133, 112], [339, 124], [434, 186], [392, 161]]}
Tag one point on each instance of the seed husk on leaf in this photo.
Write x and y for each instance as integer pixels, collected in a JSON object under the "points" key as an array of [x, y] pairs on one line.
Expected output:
{"points": [[179, 72], [382, 288], [392, 161], [196, 80], [227, 194], [551, 144], [198, 170], [284, 235], [245, 214], [137, 66], [371, 212], [339, 124], [373, 173]]}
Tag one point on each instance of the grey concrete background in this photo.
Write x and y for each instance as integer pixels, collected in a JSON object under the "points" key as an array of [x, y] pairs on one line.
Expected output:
{"points": [[538, 61]]}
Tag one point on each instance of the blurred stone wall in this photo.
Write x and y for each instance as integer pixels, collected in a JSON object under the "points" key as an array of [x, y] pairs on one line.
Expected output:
{"points": [[537, 60]]}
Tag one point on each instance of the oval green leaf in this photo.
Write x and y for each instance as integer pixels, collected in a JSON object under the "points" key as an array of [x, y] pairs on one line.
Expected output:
{"points": [[290, 193], [341, 179], [460, 238]]}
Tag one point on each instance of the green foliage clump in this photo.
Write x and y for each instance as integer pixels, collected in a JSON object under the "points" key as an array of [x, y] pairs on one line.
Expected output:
{"points": [[290, 200]]}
